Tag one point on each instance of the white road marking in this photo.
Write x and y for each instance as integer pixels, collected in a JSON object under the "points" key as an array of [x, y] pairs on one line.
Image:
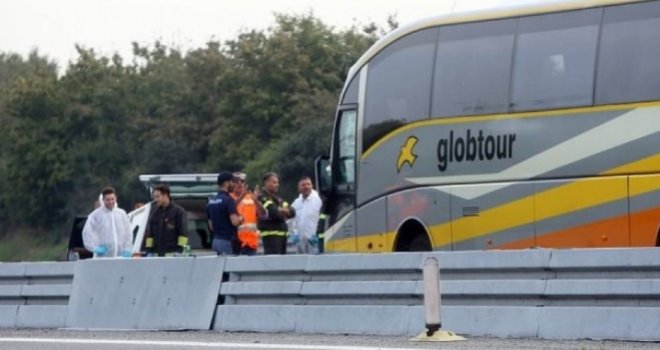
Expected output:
{"points": [[190, 344]]}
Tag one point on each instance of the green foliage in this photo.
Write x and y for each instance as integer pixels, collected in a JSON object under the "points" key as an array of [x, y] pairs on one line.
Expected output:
{"points": [[260, 102], [32, 245]]}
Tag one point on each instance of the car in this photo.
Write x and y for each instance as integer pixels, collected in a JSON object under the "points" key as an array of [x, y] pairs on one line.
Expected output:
{"points": [[76, 250]]}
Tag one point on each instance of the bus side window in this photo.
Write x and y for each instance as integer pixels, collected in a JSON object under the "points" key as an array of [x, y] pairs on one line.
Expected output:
{"points": [[555, 60], [473, 68], [628, 63]]}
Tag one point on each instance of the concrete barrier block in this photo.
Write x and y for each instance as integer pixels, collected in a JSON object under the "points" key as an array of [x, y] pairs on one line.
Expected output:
{"points": [[600, 288], [260, 264], [350, 263], [47, 269], [362, 288], [238, 289], [155, 293], [46, 290], [621, 323], [12, 270], [502, 321], [489, 260], [10, 291], [624, 258], [8, 314], [361, 319], [256, 318], [41, 316], [493, 287]]}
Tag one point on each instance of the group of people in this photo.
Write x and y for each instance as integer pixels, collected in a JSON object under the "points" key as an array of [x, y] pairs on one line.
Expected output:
{"points": [[237, 218]]}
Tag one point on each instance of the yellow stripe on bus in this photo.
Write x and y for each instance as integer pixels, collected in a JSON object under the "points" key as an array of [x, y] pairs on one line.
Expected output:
{"points": [[644, 184], [574, 196], [644, 165], [489, 221], [579, 195]]}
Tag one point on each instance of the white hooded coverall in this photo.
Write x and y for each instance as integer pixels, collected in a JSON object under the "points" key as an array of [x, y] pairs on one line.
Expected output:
{"points": [[109, 228]]}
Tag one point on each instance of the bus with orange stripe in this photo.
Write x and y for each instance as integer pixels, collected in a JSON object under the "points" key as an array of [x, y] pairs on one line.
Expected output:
{"points": [[517, 127]]}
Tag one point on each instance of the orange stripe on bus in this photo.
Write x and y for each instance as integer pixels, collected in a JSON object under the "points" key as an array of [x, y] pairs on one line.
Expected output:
{"points": [[645, 227], [612, 232]]}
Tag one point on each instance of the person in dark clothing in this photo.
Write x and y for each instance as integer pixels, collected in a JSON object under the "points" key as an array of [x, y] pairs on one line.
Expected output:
{"points": [[166, 232], [223, 216], [273, 225]]}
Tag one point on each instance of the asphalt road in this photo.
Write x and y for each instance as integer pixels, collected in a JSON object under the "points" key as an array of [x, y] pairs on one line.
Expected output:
{"points": [[194, 340]]}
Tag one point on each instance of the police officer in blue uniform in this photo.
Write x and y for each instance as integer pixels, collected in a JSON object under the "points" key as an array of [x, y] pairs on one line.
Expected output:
{"points": [[223, 217]]}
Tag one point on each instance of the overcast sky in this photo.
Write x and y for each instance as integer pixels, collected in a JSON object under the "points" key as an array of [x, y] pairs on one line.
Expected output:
{"points": [[108, 26]]}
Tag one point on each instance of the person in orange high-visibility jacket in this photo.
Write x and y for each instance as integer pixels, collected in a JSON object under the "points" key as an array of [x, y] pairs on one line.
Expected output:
{"points": [[249, 209]]}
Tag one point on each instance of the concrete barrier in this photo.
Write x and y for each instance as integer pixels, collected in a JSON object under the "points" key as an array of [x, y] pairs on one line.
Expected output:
{"points": [[531, 293], [554, 294], [155, 293], [35, 295]]}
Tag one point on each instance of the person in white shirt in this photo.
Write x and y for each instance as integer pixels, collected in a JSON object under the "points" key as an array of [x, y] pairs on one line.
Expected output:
{"points": [[308, 208], [107, 232]]}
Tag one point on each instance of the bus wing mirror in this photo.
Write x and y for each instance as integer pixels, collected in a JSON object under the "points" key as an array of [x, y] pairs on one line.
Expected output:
{"points": [[323, 175]]}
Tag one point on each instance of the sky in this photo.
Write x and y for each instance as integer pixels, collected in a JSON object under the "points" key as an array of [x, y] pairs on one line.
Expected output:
{"points": [[54, 27]]}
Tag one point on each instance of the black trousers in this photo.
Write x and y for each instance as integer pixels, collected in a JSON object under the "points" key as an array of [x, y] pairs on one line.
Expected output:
{"points": [[274, 245]]}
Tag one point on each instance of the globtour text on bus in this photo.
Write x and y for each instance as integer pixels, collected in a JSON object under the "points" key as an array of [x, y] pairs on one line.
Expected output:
{"points": [[474, 147]]}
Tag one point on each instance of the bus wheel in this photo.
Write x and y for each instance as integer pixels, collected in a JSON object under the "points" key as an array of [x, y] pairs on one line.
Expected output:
{"points": [[420, 244], [657, 238], [412, 237]]}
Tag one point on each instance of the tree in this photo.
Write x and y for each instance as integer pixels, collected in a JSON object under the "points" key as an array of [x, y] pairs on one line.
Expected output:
{"points": [[281, 80], [37, 166], [262, 101]]}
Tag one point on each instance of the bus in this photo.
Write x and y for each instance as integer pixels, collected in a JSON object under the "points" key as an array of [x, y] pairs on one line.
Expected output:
{"points": [[510, 128]]}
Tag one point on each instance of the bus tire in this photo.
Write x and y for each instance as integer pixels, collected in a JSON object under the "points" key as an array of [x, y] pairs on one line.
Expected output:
{"points": [[412, 237], [420, 244], [657, 238]]}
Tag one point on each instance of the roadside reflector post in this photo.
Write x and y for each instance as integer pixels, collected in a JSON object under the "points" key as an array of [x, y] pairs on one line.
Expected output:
{"points": [[431, 276], [432, 305]]}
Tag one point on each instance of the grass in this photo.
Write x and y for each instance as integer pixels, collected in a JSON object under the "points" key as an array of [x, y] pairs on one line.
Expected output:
{"points": [[29, 246]]}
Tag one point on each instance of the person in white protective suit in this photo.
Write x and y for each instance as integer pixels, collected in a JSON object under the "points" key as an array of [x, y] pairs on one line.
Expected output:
{"points": [[107, 232], [308, 208]]}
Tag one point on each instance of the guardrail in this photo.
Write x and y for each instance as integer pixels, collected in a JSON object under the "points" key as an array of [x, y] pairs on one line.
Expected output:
{"points": [[555, 294], [560, 294], [35, 295], [322, 294]]}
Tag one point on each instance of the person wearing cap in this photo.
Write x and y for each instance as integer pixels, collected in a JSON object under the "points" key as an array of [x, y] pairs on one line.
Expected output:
{"points": [[223, 217], [273, 225], [249, 209]]}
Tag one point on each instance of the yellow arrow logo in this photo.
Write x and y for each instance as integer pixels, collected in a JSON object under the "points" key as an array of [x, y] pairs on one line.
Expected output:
{"points": [[406, 154]]}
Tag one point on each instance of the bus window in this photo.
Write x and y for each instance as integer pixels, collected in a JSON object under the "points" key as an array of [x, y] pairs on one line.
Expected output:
{"points": [[554, 61], [473, 68], [351, 94], [346, 148], [628, 68], [399, 85]]}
